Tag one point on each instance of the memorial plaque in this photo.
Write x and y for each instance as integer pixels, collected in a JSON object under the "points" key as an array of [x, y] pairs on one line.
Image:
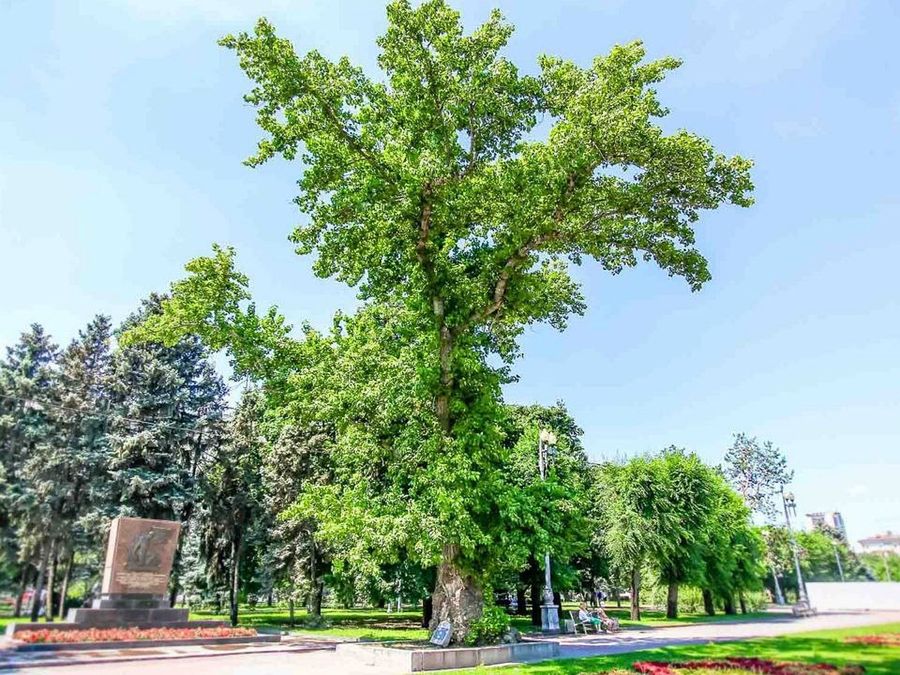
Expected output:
{"points": [[442, 634], [139, 556]]}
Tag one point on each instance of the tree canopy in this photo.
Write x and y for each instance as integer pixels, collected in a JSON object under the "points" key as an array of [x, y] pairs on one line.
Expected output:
{"points": [[431, 189]]}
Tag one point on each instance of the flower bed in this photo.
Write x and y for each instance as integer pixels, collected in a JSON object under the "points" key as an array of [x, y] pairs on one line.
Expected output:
{"points": [[748, 665], [130, 634], [887, 640]]}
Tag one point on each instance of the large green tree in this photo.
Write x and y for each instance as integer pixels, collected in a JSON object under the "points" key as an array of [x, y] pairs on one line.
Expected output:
{"points": [[28, 439], [433, 190]]}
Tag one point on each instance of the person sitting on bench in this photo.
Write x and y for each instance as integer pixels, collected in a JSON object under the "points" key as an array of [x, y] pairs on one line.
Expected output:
{"points": [[585, 617]]}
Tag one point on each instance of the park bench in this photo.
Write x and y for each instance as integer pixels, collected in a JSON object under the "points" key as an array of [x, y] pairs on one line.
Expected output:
{"points": [[802, 609], [584, 624]]}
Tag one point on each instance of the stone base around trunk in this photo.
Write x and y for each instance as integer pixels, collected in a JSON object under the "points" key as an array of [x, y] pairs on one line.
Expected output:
{"points": [[421, 660]]}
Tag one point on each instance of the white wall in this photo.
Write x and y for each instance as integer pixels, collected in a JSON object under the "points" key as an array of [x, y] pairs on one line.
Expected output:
{"points": [[826, 596]]}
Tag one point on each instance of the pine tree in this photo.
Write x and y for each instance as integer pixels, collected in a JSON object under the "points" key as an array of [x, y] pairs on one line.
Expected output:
{"points": [[27, 436], [167, 410], [82, 423]]}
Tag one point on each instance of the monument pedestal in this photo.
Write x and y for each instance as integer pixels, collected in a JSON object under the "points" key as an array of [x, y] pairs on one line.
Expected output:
{"points": [[128, 609], [549, 618]]}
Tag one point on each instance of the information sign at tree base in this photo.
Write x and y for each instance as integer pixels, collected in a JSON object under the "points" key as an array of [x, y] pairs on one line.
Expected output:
{"points": [[442, 634]]}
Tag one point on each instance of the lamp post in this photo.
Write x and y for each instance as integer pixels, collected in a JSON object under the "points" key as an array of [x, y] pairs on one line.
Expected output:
{"points": [[837, 559], [549, 611], [790, 505]]}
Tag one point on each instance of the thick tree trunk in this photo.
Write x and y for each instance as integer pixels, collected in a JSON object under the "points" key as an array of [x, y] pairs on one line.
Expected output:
{"points": [[672, 601], [708, 605], [743, 603], [39, 584], [457, 596], [51, 585], [636, 594], [317, 587], [269, 599], [23, 584], [728, 601], [291, 611], [618, 597], [64, 591], [521, 601], [427, 611]]}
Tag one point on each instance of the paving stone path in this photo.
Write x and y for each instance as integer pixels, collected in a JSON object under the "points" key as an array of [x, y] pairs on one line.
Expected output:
{"points": [[302, 656]]}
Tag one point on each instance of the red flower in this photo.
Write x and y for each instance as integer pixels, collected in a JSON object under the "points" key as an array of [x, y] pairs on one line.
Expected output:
{"points": [[751, 665], [129, 634], [888, 640]]}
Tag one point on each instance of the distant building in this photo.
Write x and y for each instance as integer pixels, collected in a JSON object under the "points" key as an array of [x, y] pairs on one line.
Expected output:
{"points": [[881, 543], [832, 519]]}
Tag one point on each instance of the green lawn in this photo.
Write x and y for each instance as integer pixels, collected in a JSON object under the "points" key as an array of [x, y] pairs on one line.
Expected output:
{"points": [[377, 624], [822, 646], [366, 624]]}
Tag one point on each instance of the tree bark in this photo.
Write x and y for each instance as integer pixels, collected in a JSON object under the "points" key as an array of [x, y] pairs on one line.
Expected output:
{"points": [[708, 605], [521, 601], [234, 586], [743, 603], [618, 596], [672, 601], [51, 585], [39, 584], [314, 602], [457, 596], [23, 584], [291, 610], [636, 594], [427, 611], [64, 591], [728, 601]]}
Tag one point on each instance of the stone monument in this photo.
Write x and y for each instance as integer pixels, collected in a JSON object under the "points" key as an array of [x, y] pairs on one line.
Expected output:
{"points": [[135, 588]]}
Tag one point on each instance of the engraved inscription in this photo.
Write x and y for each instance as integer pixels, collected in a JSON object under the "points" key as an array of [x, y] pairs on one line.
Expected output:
{"points": [[141, 581]]}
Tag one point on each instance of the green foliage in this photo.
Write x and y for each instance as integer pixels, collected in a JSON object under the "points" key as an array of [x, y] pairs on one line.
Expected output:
{"points": [[427, 188], [882, 566], [489, 628]]}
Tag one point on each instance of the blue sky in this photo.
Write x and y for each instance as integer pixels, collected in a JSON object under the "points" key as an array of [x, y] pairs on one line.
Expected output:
{"points": [[122, 132]]}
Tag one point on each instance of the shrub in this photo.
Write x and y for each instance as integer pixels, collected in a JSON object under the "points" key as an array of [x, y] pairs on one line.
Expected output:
{"points": [[489, 628]]}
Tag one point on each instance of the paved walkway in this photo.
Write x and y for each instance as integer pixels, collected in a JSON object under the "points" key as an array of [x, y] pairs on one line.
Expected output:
{"points": [[303, 656], [718, 631]]}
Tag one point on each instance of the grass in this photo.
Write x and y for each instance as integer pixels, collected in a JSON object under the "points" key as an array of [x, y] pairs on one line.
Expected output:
{"points": [[820, 646], [377, 624], [365, 624]]}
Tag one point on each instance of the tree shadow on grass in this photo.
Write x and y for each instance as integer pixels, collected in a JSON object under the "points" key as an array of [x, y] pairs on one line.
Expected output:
{"points": [[876, 660]]}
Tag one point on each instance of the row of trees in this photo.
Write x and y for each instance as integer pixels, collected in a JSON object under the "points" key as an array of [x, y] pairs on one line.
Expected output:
{"points": [[378, 457], [87, 434], [98, 430]]}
